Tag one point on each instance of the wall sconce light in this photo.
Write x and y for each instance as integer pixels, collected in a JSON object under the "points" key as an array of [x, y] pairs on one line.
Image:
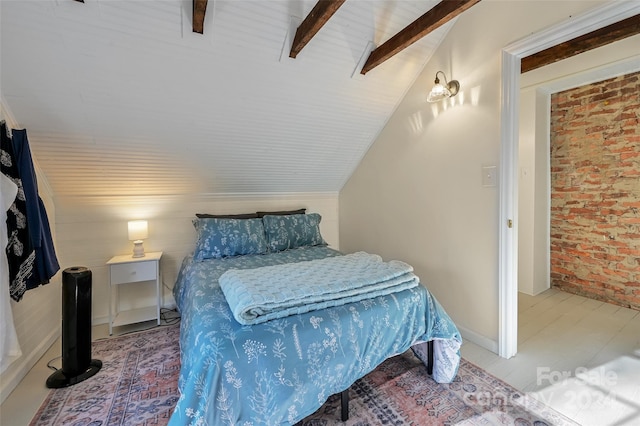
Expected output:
{"points": [[138, 231], [440, 91]]}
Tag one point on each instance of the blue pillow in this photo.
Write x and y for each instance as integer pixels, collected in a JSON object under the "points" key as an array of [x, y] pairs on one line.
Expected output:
{"points": [[219, 237], [292, 231]]}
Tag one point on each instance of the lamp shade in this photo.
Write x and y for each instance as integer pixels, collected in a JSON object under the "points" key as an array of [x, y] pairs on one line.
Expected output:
{"points": [[138, 230], [438, 93], [443, 91]]}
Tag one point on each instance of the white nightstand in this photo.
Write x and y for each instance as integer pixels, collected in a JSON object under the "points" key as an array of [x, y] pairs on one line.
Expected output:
{"points": [[126, 269]]}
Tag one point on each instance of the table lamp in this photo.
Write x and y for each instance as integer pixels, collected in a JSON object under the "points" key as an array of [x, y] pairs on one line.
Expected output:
{"points": [[138, 231]]}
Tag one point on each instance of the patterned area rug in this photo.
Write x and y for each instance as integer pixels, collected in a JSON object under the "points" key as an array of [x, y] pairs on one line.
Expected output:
{"points": [[137, 385], [400, 392]]}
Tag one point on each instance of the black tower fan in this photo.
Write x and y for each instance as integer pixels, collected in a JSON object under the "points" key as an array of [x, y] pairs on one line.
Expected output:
{"points": [[77, 364]]}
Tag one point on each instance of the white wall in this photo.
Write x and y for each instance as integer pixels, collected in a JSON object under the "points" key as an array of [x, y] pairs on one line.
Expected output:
{"points": [[91, 230], [533, 197], [37, 317], [533, 192], [417, 195]]}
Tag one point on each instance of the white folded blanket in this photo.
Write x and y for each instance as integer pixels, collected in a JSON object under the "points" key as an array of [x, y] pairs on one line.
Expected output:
{"points": [[262, 294]]}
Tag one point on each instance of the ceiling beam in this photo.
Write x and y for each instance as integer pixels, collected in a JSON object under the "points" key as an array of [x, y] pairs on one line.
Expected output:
{"points": [[199, 10], [600, 37], [319, 15], [439, 15]]}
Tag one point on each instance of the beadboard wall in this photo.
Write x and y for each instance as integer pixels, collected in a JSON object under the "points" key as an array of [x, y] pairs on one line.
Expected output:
{"points": [[91, 230], [37, 317]]}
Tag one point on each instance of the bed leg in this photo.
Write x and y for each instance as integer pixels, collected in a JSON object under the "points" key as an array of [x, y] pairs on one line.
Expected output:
{"points": [[344, 398], [430, 357]]}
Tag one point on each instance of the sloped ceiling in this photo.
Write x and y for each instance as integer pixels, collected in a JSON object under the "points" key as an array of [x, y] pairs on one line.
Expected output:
{"points": [[122, 98]]}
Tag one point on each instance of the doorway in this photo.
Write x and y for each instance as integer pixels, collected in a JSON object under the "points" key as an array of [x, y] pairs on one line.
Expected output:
{"points": [[508, 211]]}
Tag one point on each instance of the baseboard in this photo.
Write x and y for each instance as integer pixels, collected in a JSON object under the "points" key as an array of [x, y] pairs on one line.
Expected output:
{"points": [[170, 306], [19, 369], [479, 339], [169, 302], [100, 320]]}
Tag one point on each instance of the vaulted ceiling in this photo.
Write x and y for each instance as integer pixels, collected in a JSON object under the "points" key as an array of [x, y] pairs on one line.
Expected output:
{"points": [[124, 98]]}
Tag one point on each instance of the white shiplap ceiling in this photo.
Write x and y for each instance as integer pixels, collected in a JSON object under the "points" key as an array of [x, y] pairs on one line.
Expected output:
{"points": [[122, 98]]}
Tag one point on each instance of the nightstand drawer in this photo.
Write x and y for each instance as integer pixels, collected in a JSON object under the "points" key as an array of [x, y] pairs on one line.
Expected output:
{"points": [[133, 272]]}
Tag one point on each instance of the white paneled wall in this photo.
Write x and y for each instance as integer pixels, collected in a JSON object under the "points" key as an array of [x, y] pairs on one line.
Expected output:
{"points": [[90, 230], [37, 317], [115, 92]]}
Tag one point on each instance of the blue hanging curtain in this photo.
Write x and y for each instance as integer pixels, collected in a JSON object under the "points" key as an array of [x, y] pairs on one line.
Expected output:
{"points": [[30, 252]]}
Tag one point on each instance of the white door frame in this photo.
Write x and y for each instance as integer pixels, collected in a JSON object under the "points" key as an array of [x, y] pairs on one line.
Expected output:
{"points": [[592, 20]]}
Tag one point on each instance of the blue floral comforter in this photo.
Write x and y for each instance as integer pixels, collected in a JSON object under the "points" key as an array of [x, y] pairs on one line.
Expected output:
{"points": [[281, 371]]}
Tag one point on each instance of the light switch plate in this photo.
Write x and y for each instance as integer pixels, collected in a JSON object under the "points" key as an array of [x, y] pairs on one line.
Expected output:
{"points": [[489, 176]]}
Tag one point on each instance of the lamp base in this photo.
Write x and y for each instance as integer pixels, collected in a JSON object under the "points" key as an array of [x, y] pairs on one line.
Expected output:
{"points": [[138, 250]]}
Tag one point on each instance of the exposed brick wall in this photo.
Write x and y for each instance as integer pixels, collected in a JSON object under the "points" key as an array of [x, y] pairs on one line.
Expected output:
{"points": [[595, 190]]}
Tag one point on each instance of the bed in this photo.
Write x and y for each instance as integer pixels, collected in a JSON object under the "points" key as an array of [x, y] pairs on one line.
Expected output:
{"points": [[281, 370]]}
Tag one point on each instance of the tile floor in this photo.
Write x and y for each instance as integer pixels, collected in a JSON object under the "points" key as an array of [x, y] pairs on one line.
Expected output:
{"points": [[580, 356]]}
